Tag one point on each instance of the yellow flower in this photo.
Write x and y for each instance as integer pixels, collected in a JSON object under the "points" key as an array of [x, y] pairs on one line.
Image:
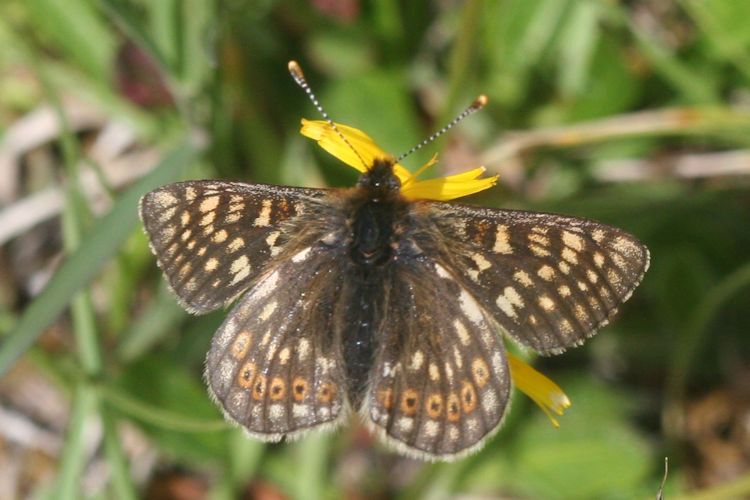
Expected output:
{"points": [[442, 189], [539, 388], [362, 152]]}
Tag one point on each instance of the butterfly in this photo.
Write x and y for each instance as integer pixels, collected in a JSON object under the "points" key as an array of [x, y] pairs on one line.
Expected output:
{"points": [[365, 300]]}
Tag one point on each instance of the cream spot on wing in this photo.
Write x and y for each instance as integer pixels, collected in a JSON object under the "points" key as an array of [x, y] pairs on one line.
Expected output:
{"points": [[502, 240], [539, 251], [581, 313], [508, 301], [405, 424], [232, 218], [563, 266], [209, 204], [268, 310], [592, 276], [191, 244], [431, 428], [463, 334], [470, 307], [523, 278], [186, 234], [626, 246], [566, 327], [266, 286], [573, 240], [497, 363], [546, 273], [303, 349], [453, 433], [547, 303], [417, 360], [220, 236], [240, 268], [235, 244], [284, 356], [302, 255], [598, 235], [489, 401], [300, 411], [598, 259], [538, 238], [201, 251], [272, 237], [457, 357], [276, 412], [185, 218], [583, 286], [434, 372], [614, 277], [185, 269], [190, 193], [264, 217], [324, 364], [564, 291], [208, 218], [619, 260], [570, 255], [481, 262], [211, 264], [164, 199], [440, 270]]}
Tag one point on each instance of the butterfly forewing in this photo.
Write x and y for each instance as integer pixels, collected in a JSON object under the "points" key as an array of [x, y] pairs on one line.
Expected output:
{"points": [[440, 380], [549, 280], [211, 238], [273, 365]]}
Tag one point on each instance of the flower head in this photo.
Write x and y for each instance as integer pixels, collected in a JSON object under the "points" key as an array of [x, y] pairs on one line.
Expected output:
{"points": [[362, 152]]}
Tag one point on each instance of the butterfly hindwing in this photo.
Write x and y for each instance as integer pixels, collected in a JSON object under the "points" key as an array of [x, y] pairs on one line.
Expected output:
{"points": [[440, 382], [550, 281], [273, 365], [211, 238]]}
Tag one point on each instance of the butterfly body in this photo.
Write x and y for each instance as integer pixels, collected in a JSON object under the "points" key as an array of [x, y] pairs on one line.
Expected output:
{"points": [[363, 301]]}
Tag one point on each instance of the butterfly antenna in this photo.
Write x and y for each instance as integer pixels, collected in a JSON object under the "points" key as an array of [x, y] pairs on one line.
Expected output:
{"points": [[299, 77], [475, 106]]}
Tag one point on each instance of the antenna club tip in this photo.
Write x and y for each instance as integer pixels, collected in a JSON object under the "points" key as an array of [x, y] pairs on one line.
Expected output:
{"points": [[480, 101], [295, 69]]}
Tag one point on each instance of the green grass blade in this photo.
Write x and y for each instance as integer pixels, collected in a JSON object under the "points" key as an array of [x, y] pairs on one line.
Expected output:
{"points": [[100, 244]]}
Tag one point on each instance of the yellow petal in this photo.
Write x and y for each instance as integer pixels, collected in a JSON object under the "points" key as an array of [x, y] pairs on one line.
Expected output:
{"points": [[539, 388], [329, 140], [448, 188]]}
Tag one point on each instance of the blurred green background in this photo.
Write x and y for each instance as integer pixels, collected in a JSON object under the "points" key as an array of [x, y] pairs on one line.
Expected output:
{"points": [[635, 113]]}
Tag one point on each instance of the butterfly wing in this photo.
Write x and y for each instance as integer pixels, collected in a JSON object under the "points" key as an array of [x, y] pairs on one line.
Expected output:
{"points": [[550, 281], [440, 382], [274, 366], [212, 238]]}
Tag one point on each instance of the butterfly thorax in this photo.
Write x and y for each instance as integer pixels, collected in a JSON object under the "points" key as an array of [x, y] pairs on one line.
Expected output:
{"points": [[376, 206]]}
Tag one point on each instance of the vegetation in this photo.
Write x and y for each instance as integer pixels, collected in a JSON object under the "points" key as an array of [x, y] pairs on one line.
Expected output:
{"points": [[634, 113]]}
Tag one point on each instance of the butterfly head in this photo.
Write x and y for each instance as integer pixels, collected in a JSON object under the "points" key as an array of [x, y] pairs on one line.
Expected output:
{"points": [[380, 177]]}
